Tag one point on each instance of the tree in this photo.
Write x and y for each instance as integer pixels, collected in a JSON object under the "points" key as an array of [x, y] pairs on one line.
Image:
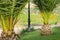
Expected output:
{"points": [[9, 11], [46, 8]]}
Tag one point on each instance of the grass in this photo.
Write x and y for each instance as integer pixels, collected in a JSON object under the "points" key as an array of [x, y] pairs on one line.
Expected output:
{"points": [[35, 19], [35, 35]]}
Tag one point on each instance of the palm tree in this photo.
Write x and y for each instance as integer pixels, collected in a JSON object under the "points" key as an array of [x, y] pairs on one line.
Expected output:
{"points": [[46, 8], [9, 11]]}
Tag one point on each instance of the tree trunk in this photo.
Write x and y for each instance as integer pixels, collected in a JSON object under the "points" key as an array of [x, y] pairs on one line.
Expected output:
{"points": [[46, 30], [5, 36]]}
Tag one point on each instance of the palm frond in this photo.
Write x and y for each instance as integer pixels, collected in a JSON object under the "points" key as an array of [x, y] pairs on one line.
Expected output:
{"points": [[9, 11], [46, 5]]}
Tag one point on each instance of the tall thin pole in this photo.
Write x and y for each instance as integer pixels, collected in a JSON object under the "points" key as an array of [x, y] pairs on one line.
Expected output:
{"points": [[29, 16]]}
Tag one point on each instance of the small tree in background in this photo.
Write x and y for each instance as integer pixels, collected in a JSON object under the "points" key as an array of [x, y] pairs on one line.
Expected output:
{"points": [[46, 8], [9, 11]]}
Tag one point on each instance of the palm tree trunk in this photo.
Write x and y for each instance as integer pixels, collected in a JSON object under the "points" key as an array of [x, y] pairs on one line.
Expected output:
{"points": [[46, 30], [5, 36]]}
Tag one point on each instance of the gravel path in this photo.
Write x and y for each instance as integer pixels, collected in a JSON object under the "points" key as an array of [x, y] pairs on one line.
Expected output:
{"points": [[18, 29]]}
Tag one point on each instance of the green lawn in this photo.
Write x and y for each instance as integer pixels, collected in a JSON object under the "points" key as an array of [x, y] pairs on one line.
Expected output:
{"points": [[35, 35], [35, 19]]}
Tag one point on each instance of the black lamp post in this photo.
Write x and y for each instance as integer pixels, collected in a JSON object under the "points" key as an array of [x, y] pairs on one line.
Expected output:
{"points": [[29, 16]]}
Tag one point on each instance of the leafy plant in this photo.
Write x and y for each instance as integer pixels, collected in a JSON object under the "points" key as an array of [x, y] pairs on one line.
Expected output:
{"points": [[46, 8], [9, 11]]}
